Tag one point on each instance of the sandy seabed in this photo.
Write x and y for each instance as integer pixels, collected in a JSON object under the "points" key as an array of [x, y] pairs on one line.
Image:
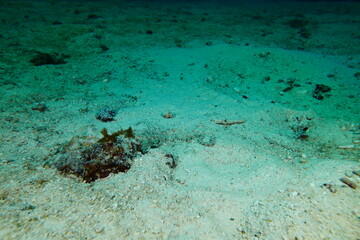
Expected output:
{"points": [[257, 106]]}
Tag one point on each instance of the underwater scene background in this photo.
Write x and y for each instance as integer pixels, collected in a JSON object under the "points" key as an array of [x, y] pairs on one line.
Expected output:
{"points": [[179, 120]]}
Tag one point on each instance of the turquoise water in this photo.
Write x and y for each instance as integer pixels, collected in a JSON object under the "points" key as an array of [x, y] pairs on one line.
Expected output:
{"points": [[179, 120]]}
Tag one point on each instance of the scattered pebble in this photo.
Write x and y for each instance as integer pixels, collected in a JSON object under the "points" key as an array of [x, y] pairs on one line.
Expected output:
{"points": [[26, 206], [228, 122], [346, 147], [357, 173], [348, 173], [294, 194], [41, 107], [99, 229], [331, 187], [168, 115], [106, 114], [348, 182]]}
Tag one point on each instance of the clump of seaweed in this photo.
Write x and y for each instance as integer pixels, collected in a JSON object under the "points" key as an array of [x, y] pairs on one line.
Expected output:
{"points": [[128, 133], [113, 153], [319, 90], [48, 59]]}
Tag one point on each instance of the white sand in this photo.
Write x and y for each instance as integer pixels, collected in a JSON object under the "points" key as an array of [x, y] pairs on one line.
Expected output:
{"points": [[203, 63]]}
